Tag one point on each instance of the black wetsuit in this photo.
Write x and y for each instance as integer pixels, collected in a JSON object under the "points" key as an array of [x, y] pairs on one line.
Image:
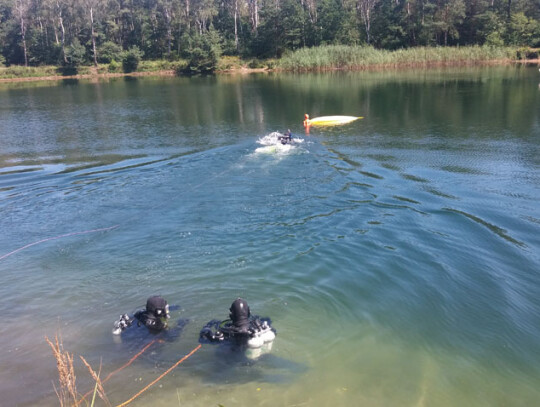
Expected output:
{"points": [[154, 317]]}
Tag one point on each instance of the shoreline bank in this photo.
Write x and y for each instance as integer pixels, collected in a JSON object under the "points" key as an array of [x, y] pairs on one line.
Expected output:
{"points": [[245, 70], [87, 76]]}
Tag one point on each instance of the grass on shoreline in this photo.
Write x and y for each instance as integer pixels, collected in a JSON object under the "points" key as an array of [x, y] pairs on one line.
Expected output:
{"points": [[357, 58], [330, 57]]}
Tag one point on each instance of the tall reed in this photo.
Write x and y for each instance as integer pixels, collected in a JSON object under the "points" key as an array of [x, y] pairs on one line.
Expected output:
{"points": [[67, 391], [363, 57]]}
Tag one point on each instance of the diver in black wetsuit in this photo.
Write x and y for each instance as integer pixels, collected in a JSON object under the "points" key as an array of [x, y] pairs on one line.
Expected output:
{"points": [[154, 317], [286, 137], [242, 330]]}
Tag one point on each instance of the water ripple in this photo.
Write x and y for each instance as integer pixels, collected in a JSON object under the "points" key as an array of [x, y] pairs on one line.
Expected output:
{"points": [[493, 228]]}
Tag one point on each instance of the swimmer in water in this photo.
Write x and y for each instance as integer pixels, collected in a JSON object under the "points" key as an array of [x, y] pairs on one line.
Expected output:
{"points": [[243, 330], [154, 317], [286, 138]]}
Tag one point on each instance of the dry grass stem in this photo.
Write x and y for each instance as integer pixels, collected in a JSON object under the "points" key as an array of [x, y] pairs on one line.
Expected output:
{"points": [[99, 384], [67, 392]]}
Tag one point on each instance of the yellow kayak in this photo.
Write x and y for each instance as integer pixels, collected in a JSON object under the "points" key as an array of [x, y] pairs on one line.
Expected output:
{"points": [[330, 120]]}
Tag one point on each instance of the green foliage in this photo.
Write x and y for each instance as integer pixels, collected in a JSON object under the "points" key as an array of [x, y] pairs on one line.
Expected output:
{"points": [[293, 23], [331, 15], [74, 57], [75, 54], [158, 65], [16, 71], [268, 41], [108, 52], [131, 59], [523, 30], [203, 55], [114, 66], [392, 26], [255, 64], [41, 54], [494, 39], [492, 30], [271, 63], [228, 47], [163, 29]]}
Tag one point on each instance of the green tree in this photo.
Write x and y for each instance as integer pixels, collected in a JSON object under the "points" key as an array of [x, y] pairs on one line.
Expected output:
{"points": [[75, 55], [493, 29], [203, 55], [448, 17], [292, 19], [366, 8], [22, 7], [522, 30], [131, 59], [92, 8], [109, 51], [268, 41], [330, 19], [393, 26]]}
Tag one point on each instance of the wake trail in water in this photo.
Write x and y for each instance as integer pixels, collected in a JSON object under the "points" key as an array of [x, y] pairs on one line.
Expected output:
{"points": [[272, 144], [124, 222]]}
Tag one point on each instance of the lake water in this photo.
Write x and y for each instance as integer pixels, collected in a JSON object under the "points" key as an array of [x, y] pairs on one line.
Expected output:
{"points": [[397, 256]]}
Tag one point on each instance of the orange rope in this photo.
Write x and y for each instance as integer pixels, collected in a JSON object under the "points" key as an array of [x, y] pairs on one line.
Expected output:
{"points": [[130, 360], [125, 403], [119, 369]]}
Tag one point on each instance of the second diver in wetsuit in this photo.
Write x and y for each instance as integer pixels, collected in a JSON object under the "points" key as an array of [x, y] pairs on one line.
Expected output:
{"points": [[242, 330], [154, 316]]}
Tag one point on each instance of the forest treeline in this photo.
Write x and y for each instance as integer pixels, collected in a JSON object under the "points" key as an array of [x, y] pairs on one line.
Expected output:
{"points": [[71, 32]]}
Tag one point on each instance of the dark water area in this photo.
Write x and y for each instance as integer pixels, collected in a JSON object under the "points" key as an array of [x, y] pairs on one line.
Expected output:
{"points": [[397, 256]]}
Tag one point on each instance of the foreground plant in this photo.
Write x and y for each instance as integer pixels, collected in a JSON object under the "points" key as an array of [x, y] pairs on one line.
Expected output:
{"points": [[67, 391]]}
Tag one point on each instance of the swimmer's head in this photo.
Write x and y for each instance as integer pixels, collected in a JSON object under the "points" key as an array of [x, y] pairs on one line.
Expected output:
{"points": [[239, 312], [158, 307]]}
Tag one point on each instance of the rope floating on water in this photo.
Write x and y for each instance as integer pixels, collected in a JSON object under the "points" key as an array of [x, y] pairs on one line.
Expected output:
{"points": [[131, 360], [121, 368], [125, 403], [57, 237]]}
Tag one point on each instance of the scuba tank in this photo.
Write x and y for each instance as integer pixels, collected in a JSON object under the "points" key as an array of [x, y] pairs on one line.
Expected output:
{"points": [[261, 333]]}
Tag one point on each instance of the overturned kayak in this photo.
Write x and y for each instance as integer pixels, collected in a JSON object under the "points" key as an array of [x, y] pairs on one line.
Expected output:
{"points": [[330, 120]]}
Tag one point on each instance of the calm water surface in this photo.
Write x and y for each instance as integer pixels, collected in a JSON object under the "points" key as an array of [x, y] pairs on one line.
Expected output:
{"points": [[398, 256]]}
